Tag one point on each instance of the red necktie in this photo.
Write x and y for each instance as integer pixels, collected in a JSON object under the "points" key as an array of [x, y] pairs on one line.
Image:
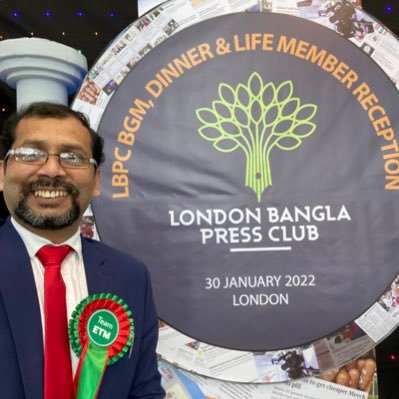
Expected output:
{"points": [[57, 357]]}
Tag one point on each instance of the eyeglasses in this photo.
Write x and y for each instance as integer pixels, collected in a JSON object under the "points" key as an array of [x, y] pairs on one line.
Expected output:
{"points": [[34, 156]]}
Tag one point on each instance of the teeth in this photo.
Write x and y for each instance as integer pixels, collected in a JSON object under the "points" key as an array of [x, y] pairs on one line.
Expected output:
{"points": [[50, 194]]}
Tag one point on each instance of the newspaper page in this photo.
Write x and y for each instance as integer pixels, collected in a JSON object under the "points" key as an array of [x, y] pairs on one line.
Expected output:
{"points": [[348, 19], [343, 346], [216, 362], [383, 47], [313, 8], [286, 6], [376, 321], [182, 385], [207, 359], [204, 8]]}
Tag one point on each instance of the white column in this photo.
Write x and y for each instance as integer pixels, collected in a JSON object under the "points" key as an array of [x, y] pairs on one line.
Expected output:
{"points": [[41, 70]]}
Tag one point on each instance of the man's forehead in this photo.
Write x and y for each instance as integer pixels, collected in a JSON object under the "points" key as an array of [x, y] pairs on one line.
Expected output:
{"points": [[49, 126], [35, 120]]}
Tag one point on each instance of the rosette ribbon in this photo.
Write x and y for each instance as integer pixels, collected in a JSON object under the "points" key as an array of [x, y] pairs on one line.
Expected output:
{"points": [[101, 331]]}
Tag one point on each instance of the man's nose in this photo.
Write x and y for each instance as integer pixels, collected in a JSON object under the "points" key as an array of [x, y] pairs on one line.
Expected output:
{"points": [[52, 167]]}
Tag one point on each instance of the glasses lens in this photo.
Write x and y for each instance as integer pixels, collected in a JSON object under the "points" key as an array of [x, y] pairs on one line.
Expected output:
{"points": [[30, 156], [72, 160]]}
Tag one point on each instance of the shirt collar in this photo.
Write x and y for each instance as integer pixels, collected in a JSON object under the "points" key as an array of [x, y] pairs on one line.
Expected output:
{"points": [[34, 242]]}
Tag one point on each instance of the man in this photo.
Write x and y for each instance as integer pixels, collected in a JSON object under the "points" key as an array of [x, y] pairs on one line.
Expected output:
{"points": [[49, 174]]}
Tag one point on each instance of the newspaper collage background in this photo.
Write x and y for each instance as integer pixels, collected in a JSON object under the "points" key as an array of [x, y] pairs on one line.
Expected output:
{"points": [[206, 371]]}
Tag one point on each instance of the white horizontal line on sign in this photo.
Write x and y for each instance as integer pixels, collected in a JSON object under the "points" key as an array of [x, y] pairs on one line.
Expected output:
{"points": [[260, 249]]}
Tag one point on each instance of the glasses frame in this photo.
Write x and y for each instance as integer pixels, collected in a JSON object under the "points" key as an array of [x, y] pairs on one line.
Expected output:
{"points": [[14, 151]]}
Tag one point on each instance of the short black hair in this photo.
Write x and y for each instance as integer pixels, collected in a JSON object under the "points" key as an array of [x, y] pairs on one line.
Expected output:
{"points": [[49, 110]]}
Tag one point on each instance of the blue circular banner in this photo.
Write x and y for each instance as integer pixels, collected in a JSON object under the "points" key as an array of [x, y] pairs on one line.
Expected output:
{"points": [[252, 164]]}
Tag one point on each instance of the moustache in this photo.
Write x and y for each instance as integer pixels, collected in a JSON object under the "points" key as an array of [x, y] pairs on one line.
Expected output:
{"points": [[49, 183]]}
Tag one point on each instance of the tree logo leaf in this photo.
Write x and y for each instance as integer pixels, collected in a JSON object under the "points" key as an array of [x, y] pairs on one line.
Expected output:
{"points": [[257, 117]]}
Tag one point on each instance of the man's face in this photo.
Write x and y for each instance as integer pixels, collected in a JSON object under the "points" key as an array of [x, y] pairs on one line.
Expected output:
{"points": [[49, 197]]}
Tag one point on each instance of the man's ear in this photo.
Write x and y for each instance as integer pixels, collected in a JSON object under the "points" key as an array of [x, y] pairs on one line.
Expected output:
{"points": [[2, 165]]}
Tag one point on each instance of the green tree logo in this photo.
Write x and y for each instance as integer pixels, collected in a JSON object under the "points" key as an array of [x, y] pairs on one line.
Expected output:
{"points": [[257, 117]]}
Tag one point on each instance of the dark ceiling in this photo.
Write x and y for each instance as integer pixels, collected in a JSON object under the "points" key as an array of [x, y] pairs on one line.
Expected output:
{"points": [[90, 25], [84, 25]]}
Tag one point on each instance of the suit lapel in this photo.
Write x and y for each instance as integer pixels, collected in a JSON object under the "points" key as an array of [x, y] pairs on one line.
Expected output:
{"points": [[98, 272], [18, 289]]}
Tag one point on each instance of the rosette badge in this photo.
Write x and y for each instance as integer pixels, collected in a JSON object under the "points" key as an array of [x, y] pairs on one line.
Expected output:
{"points": [[101, 331]]}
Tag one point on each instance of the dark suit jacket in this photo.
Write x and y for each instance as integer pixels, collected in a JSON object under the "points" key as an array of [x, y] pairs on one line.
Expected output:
{"points": [[21, 339]]}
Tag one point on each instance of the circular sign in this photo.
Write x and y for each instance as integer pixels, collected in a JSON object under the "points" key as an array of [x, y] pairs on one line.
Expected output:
{"points": [[103, 328], [252, 165]]}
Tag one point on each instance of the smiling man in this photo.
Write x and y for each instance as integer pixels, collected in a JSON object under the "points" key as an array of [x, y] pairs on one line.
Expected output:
{"points": [[49, 174]]}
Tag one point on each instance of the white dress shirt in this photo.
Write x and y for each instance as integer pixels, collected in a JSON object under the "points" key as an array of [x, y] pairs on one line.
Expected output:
{"points": [[72, 270]]}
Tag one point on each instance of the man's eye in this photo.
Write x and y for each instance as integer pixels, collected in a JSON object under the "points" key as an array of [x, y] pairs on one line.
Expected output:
{"points": [[71, 157], [29, 154], [29, 157]]}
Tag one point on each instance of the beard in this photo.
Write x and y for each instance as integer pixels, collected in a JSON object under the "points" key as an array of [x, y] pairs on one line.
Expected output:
{"points": [[35, 219]]}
